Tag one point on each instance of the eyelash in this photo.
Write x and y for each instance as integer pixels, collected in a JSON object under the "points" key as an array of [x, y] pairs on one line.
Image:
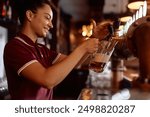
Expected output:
{"points": [[48, 18]]}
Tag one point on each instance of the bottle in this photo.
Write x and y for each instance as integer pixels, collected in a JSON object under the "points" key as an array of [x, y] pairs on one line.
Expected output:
{"points": [[3, 10]]}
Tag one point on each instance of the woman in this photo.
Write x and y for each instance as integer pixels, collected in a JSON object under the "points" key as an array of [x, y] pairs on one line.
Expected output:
{"points": [[33, 70]]}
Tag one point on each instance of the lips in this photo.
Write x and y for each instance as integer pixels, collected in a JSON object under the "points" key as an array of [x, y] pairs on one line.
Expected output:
{"points": [[46, 29]]}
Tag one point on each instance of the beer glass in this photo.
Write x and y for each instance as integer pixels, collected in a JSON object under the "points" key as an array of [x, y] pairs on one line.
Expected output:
{"points": [[101, 57], [106, 46]]}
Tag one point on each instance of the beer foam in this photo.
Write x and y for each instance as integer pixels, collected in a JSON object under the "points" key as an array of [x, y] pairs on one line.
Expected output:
{"points": [[99, 57]]}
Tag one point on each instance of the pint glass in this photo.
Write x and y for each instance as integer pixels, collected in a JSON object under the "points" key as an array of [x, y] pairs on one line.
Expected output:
{"points": [[101, 57]]}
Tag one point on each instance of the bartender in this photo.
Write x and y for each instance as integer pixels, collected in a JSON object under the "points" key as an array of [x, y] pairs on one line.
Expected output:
{"points": [[33, 70]]}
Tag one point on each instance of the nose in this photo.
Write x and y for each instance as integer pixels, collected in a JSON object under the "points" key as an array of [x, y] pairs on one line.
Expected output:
{"points": [[50, 24]]}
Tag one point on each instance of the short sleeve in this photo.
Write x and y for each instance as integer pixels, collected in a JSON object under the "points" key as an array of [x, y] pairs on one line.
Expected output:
{"points": [[17, 56], [51, 55]]}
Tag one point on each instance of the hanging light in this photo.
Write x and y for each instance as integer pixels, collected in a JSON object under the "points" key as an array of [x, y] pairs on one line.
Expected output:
{"points": [[125, 19], [135, 5]]}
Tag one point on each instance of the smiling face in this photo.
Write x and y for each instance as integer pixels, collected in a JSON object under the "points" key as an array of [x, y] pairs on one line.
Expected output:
{"points": [[41, 21]]}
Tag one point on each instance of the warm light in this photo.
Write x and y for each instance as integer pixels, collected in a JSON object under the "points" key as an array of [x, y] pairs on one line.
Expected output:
{"points": [[125, 19], [84, 33], [140, 10], [87, 30], [120, 27], [135, 5], [120, 30], [89, 33]]}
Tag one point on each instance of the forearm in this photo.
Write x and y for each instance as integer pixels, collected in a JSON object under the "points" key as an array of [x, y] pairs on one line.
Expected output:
{"points": [[56, 73], [50, 77], [82, 60]]}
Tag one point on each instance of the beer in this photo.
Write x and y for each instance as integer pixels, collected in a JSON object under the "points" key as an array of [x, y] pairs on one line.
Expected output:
{"points": [[99, 61], [97, 66], [106, 46]]}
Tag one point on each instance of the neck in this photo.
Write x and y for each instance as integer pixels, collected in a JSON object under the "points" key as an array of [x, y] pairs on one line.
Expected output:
{"points": [[28, 32]]}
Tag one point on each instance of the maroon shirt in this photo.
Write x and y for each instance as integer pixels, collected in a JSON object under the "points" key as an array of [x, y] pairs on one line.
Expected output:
{"points": [[19, 53]]}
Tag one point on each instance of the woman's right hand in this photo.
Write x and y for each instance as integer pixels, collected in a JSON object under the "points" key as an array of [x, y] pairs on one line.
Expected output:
{"points": [[90, 45]]}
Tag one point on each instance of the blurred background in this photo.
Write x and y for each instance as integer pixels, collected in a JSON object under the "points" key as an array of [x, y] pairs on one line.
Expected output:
{"points": [[70, 16]]}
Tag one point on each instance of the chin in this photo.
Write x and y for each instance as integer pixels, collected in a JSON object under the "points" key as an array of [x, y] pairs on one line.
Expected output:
{"points": [[43, 35]]}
